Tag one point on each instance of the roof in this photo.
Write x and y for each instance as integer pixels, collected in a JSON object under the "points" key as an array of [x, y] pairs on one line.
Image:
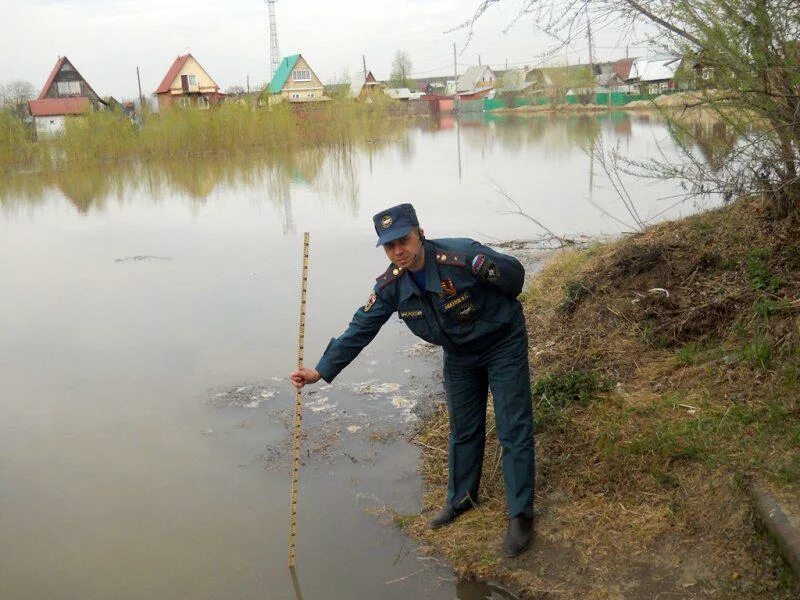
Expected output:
{"points": [[51, 78], [359, 82], [176, 67], [623, 68], [469, 80], [398, 93], [283, 72], [607, 79], [49, 107], [59, 63], [655, 68]]}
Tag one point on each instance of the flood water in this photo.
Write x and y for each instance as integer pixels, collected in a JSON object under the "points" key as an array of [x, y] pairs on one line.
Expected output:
{"points": [[149, 323]]}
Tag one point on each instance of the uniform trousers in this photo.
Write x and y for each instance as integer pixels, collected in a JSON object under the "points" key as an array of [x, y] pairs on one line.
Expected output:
{"points": [[503, 368]]}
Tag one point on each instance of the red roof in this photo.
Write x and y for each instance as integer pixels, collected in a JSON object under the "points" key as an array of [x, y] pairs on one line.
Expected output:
{"points": [[52, 76], [59, 106], [623, 68], [172, 74]]}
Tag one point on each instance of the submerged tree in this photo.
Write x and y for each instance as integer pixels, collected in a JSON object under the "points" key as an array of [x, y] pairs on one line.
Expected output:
{"points": [[401, 71], [743, 55]]}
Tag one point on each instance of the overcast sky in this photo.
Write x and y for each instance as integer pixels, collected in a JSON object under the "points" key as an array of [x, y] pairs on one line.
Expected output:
{"points": [[107, 39]]}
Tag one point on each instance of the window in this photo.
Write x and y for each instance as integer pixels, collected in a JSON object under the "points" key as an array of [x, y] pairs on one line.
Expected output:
{"points": [[301, 75], [295, 96], [663, 87], [183, 102], [202, 102], [708, 73], [192, 79], [69, 88]]}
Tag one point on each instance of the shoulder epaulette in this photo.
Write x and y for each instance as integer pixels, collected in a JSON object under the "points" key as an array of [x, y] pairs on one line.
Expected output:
{"points": [[392, 274], [451, 258]]}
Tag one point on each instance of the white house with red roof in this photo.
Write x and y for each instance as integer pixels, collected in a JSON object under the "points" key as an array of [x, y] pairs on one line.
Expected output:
{"points": [[188, 85], [65, 93]]}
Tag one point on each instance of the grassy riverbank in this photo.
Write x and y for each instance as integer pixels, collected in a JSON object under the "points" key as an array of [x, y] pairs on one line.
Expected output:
{"points": [[667, 378], [107, 137]]}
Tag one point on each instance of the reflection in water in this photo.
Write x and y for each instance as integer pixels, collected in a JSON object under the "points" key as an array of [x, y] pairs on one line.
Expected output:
{"points": [[296, 583], [333, 172]]}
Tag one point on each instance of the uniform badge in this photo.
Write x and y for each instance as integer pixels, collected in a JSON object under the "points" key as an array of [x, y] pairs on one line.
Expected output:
{"points": [[370, 301], [386, 221], [448, 289], [485, 269]]}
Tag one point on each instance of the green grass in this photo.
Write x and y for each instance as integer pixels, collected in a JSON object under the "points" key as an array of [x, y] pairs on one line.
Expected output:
{"points": [[110, 137], [757, 352], [574, 293], [762, 278], [554, 393]]}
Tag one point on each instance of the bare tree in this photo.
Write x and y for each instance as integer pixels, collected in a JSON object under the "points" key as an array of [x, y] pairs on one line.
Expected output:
{"points": [[401, 70], [747, 48], [14, 96]]}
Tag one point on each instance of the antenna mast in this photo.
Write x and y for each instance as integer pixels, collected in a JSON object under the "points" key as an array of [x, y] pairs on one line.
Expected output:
{"points": [[274, 52]]}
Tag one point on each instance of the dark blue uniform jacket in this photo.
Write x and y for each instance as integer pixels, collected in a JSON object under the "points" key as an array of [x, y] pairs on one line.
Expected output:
{"points": [[468, 305]]}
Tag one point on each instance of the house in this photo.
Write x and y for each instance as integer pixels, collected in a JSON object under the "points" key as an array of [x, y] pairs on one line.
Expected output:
{"points": [[295, 81], [188, 85], [476, 82], [656, 74], [515, 82], [65, 93], [362, 87], [435, 85], [402, 94]]}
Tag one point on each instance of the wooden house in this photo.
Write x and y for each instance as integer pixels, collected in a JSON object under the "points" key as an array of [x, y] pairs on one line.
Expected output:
{"points": [[362, 88], [65, 93], [188, 85], [295, 81], [476, 82]]}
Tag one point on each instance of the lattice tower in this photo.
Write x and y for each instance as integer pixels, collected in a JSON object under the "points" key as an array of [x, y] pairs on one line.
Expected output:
{"points": [[274, 51]]}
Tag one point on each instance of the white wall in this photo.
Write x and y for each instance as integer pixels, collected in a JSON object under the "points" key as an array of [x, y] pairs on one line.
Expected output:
{"points": [[49, 126]]}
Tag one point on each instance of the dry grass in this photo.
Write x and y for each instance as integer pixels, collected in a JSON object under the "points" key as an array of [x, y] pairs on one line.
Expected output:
{"points": [[686, 340]]}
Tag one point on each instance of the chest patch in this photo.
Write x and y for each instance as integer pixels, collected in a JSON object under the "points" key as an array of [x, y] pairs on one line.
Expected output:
{"points": [[411, 314], [461, 308]]}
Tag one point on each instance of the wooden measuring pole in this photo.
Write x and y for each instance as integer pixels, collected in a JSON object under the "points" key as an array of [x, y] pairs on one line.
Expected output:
{"points": [[298, 402]]}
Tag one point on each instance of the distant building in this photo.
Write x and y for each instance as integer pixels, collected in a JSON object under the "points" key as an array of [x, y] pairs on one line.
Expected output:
{"points": [[476, 82], [65, 93], [295, 81], [402, 94], [656, 74], [361, 88], [188, 85]]}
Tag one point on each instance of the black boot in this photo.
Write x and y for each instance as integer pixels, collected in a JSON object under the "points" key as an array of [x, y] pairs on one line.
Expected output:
{"points": [[518, 535], [448, 514]]}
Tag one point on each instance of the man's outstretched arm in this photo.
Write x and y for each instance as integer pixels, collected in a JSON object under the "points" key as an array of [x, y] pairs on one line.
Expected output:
{"points": [[341, 351]]}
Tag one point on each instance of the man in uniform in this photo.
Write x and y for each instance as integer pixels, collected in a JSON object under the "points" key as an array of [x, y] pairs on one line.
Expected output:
{"points": [[461, 295]]}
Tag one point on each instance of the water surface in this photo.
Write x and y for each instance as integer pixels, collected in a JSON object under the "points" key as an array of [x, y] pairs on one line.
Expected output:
{"points": [[150, 320]]}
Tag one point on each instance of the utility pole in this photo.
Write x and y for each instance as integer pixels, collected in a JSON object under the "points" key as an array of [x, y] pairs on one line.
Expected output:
{"points": [[455, 83], [589, 36], [141, 97], [364, 62], [479, 60], [248, 83]]}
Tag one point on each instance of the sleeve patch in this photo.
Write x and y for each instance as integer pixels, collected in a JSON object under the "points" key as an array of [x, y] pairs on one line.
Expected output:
{"points": [[370, 301]]}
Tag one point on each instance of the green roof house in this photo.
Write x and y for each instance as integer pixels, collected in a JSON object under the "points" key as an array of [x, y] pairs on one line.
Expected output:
{"points": [[294, 81]]}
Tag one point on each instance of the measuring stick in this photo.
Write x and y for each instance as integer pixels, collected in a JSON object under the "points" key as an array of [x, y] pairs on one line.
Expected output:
{"points": [[298, 402]]}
